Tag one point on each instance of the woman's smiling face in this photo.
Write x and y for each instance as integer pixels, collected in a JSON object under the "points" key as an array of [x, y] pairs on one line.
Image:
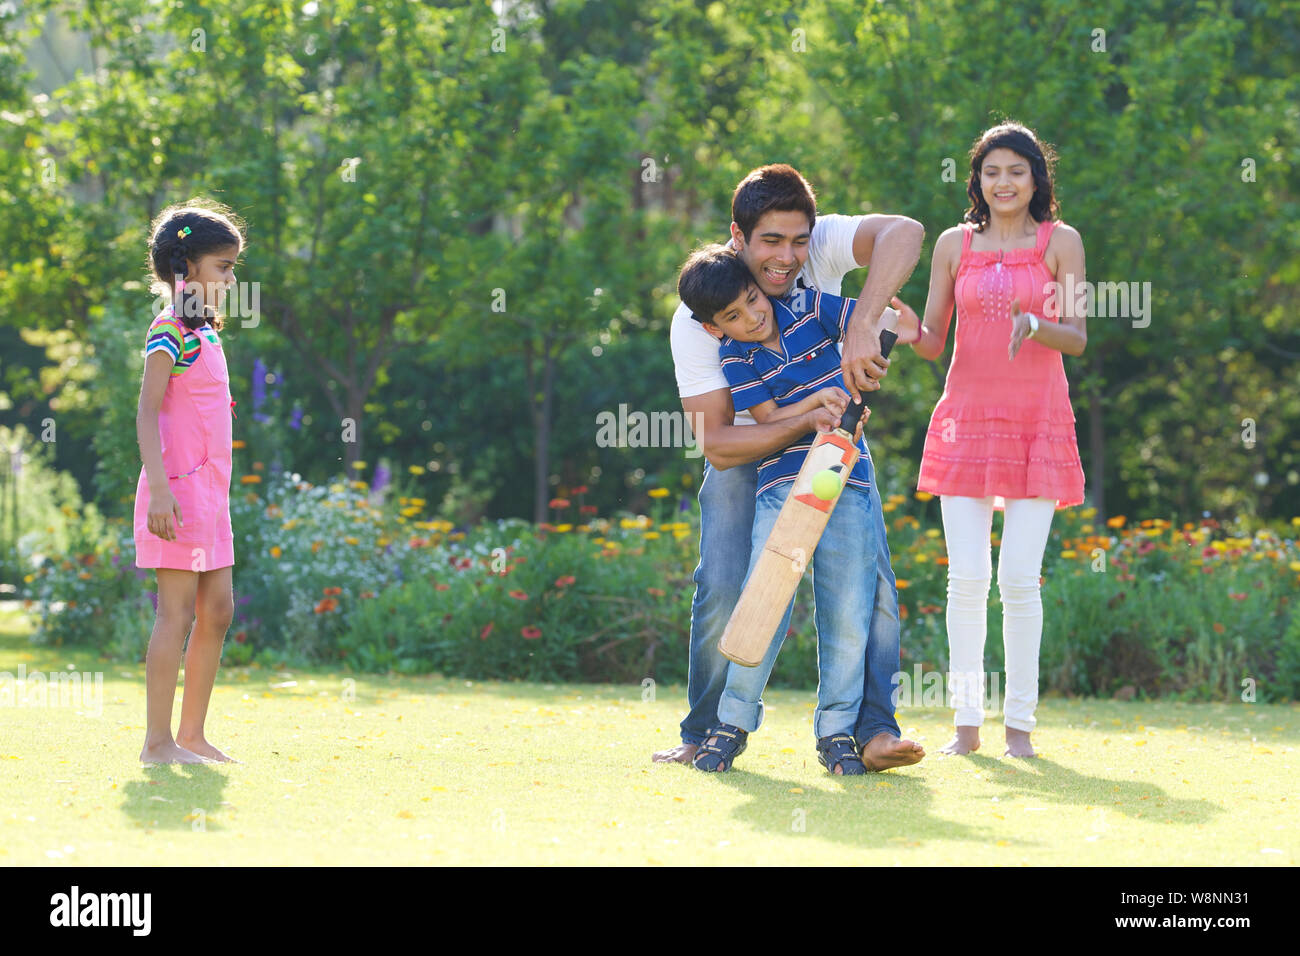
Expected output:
{"points": [[1007, 182]]}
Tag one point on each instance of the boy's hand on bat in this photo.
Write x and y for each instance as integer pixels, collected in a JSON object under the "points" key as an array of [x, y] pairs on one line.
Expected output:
{"points": [[833, 398], [823, 419]]}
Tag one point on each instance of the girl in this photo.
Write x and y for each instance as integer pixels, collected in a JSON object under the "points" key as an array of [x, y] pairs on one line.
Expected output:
{"points": [[182, 499], [1002, 435]]}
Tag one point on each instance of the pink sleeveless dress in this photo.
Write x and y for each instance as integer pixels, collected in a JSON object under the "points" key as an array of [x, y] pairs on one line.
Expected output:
{"points": [[196, 430], [1003, 428]]}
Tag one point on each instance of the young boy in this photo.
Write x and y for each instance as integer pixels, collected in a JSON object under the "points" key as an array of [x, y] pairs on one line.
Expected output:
{"points": [[780, 361]]}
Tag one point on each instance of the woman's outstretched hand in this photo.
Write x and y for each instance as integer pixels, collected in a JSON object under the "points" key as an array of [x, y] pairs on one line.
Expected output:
{"points": [[1019, 329], [909, 326]]}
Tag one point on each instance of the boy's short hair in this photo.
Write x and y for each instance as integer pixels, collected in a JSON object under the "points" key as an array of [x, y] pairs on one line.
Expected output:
{"points": [[712, 278], [779, 188]]}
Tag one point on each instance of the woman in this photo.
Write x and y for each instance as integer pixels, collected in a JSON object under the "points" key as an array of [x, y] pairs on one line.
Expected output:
{"points": [[1002, 435]]}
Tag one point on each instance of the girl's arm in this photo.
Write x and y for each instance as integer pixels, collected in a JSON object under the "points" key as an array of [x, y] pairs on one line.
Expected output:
{"points": [[1069, 334], [938, 303], [157, 373]]}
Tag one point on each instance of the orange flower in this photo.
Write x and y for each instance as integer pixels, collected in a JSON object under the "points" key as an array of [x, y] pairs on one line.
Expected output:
{"points": [[367, 594], [902, 612], [332, 591], [316, 546], [518, 595], [327, 605], [531, 633], [1218, 628], [941, 561], [442, 587], [275, 551], [238, 443], [565, 581], [1116, 522], [901, 583], [657, 592], [250, 479]]}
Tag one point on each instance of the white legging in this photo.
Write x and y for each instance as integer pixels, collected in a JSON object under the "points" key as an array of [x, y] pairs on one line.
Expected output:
{"points": [[967, 528]]}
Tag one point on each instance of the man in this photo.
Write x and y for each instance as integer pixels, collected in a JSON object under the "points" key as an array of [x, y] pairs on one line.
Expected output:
{"points": [[776, 232]]}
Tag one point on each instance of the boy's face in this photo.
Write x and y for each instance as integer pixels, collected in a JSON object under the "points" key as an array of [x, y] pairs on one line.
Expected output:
{"points": [[776, 250], [747, 319]]}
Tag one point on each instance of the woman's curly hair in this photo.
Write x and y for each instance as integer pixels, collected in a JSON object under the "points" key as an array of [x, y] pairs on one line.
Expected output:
{"points": [[1022, 141]]}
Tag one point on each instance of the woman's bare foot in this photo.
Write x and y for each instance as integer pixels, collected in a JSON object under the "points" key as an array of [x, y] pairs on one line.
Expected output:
{"points": [[682, 753], [885, 751], [168, 751], [964, 741], [204, 749], [1018, 744]]}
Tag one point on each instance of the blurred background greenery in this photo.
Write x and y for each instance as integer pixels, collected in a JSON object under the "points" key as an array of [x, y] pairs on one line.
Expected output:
{"points": [[465, 222]]}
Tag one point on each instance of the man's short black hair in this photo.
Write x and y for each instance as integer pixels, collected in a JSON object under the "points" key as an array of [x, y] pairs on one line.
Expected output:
{"points": [[774, 188], [712, 278]]}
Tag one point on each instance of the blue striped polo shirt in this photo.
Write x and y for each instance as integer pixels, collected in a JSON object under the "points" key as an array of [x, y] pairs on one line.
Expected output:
{"points": [[810, 322]]}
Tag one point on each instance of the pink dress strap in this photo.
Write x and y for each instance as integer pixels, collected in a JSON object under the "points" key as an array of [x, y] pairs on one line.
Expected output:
{"points": [[1045, 230], [966, 230]]}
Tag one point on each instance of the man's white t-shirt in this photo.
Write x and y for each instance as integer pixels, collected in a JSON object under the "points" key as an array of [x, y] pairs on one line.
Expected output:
{"points": [[695, 351]]}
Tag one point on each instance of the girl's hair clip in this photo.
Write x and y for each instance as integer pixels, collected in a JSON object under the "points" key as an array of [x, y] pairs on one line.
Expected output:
{"points": [[181, 234]]}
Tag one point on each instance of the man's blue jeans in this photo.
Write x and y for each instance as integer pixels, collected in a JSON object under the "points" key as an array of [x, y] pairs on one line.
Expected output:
{"points": [[727, 509]]}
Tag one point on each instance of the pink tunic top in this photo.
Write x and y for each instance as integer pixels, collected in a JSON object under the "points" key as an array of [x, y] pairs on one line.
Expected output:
{"points": [[1003, 428], [195, 426]]}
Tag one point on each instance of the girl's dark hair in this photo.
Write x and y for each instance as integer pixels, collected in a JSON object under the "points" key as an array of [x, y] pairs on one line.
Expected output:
{"points": [[212, 226], [712, 278], [777, 187], [1022, 141]]}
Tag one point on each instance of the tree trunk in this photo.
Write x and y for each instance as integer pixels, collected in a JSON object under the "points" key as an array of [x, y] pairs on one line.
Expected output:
{"points": [[542, 431], [1096, 441]]}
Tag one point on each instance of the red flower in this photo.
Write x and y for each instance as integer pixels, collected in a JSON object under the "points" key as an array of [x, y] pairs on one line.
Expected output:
{"points": [[565, 581], [367, 594], [518, 595], [588, 509], [531, 633], [1207, 552], [580, 490], [559, 504], [241, 637], [483, 634], [442, 587], [1218, 628], [1236, 597]]}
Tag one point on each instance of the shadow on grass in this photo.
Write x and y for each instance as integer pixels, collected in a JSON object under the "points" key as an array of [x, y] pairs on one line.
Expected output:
{"points": [[174, 796], [876, 811], [1060, 784]]}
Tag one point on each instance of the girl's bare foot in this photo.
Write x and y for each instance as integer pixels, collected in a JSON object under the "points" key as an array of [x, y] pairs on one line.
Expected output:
{"points": [[204, 749], [168, 751], [1018, 744], [964, 741]]}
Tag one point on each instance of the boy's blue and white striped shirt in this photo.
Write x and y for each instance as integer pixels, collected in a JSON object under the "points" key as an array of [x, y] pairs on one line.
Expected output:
{"points": [[810, 323]]}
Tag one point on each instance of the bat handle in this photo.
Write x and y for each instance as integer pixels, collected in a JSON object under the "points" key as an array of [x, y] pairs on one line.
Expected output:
{"points": [[851, 417]]}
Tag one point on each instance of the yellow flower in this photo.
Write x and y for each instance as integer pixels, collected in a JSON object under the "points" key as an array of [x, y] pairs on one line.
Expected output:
{"points": [[359, 465], [360, 485], [383, 542], [665, 527], [888, 506], [350, 540], [1088, 513], [562, 528], [275, 551], [651, 535], [597, 540], [897, 499], [1295, 566], [658, 492], [922, 559], [680, 533], [416, 469], [932, 532], [1086, 529], [923, 496], [28, 579], [1068, 554]]}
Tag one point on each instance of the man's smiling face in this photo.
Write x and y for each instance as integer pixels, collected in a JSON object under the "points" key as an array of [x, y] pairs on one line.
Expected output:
{"points": [[776, 250]]}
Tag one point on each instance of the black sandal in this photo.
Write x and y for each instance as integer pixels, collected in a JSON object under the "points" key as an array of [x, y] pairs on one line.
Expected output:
{"points": [[719, 757], [843, 750]]}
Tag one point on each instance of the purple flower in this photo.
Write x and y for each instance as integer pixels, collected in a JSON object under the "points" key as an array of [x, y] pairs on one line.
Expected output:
{"points": [[259, 385], [243, 599], [295, 420], [381, 479], [142, 574], [686, 504], [153, 599]]}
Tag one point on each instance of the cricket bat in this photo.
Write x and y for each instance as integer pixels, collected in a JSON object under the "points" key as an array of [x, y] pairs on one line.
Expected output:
{"points": [[794, 537]]}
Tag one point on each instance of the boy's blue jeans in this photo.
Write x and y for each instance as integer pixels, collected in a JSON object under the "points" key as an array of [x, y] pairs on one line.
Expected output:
{"points": [[727, 507], [846, 586]]}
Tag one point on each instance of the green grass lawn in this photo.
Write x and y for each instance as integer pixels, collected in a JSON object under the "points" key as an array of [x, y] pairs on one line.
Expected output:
{"points": [[390, 770]]}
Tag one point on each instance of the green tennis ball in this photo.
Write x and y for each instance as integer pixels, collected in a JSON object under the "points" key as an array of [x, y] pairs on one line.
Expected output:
{"points": [[826, 485]]}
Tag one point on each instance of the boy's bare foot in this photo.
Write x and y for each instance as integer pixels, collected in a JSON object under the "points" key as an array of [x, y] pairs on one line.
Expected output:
{"points": [[964, 741], [885, 751], [169, 752], [1018, 744], [204, 749], [682, 753]]}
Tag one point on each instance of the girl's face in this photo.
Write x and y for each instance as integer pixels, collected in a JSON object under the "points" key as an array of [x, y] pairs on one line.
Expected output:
{"points": [[212, 275], [1007, 182]]}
